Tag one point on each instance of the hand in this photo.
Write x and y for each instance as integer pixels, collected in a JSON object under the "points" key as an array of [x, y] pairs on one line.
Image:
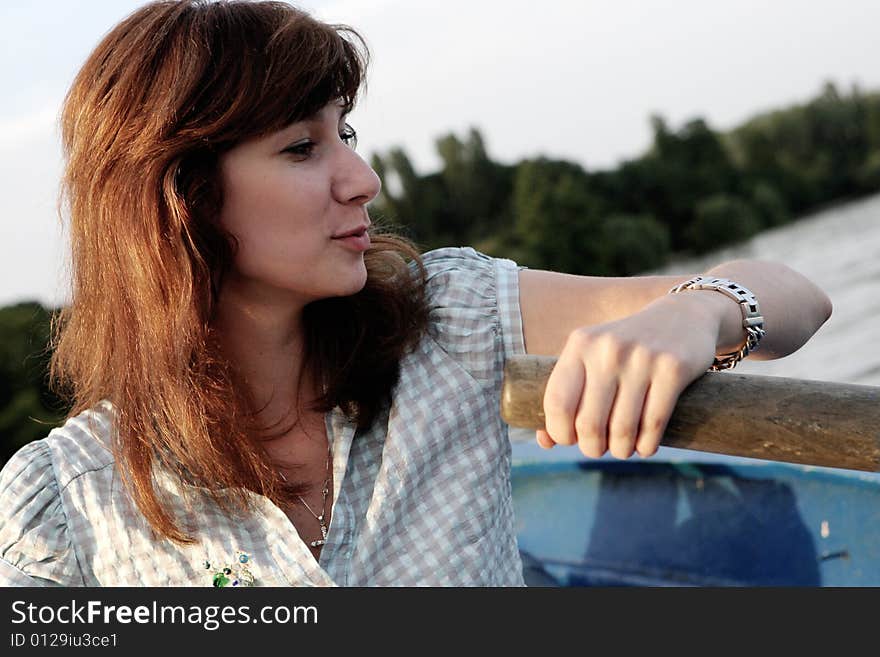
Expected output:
{"points": [[615, 385]]}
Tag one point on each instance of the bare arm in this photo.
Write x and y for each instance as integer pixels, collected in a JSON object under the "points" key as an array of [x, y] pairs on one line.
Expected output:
{"points": [[627, 349], [553, 305]]}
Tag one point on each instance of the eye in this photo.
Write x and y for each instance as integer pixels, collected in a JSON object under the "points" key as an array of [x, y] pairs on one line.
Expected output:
{"points": [[303, 149], [349, 136]]}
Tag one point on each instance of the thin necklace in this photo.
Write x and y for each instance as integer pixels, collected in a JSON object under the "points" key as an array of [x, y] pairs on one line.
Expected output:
{"points": [[325, 490]]}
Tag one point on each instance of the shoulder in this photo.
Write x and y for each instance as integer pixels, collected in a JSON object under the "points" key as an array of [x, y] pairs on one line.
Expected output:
{"points": [[473, 302], [83, 443], [464, 277], [450, 257], [35, 538], [451, 265]]}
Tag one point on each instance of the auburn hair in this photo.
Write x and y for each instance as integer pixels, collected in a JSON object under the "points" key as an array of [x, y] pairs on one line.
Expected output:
{"points": [[163, 95]]}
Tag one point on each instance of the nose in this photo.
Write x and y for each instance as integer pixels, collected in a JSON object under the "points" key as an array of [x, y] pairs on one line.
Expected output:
{"points": [[355, 181]]}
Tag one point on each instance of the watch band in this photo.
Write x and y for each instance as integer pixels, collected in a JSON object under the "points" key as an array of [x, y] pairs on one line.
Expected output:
{"points": [[753, 321]]}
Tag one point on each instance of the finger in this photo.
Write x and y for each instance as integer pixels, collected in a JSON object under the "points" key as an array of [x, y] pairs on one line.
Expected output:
{"points": [[561, 397], [625, 416], [660, 400], [591, 421], [544, 439]]}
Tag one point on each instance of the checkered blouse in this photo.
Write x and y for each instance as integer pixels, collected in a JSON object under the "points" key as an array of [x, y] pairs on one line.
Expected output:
{"points": [[422, 498]]}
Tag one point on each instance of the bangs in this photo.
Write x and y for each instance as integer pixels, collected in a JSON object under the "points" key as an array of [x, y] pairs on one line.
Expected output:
{"points": [[272, 65], [310, 67]]}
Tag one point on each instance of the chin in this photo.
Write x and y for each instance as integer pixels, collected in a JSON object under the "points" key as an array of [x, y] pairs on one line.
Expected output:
{"points": [[354, 282]]}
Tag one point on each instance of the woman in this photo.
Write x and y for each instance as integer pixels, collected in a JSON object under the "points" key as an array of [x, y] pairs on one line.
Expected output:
{"points": [[265, 389]]}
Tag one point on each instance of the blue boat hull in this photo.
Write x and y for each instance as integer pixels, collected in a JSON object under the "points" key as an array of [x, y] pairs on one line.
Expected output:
{"points": [[646, 523]]}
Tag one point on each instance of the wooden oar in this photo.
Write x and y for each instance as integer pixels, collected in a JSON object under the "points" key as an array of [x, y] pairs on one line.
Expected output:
{"points": [[766, 417]]}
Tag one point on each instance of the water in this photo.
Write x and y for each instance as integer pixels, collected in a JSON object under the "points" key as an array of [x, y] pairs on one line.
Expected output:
{"points": [[839, 250]]}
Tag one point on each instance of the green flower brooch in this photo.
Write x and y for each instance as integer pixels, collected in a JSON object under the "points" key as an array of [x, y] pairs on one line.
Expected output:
{"points": [[234, 574]]}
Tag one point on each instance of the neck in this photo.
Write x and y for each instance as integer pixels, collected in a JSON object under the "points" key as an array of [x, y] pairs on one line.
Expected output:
{"points": [[263, 336]]}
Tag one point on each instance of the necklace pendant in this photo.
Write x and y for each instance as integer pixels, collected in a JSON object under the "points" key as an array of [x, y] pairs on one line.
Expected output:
{"points": [[323, 531]]}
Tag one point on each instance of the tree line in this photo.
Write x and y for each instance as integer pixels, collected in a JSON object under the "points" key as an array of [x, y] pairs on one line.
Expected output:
{"points": [[694, 190]]}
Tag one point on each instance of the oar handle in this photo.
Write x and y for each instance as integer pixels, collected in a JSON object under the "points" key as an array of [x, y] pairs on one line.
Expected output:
{"points": [[766, 417]]}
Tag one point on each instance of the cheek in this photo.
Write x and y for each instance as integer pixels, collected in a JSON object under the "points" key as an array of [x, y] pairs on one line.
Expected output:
{"points": [[273, 194], [247, 204], [262, 213]]}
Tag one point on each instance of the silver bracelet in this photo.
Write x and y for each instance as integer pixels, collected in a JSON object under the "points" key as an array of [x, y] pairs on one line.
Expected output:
{"points": [[753, 322]]}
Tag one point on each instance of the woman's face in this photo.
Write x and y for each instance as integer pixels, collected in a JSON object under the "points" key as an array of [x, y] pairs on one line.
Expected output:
{"points": [[289, 197]]}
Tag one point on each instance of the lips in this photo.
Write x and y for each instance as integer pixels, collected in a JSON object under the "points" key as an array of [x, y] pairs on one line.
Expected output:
{"points": [[357, 231], [356, 239]]}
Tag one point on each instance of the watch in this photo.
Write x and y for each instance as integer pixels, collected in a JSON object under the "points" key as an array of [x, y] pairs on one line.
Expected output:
{"points": [[752, 322]]}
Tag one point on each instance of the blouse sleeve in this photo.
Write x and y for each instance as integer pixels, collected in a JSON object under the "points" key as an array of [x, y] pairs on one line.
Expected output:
{"points": [[35, 544], [475, 313]]}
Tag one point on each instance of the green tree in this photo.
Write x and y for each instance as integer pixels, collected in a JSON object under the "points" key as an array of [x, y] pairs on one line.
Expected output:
{"points": [[478, 189], [721, 220], [691, 181], [681, 167], [769, 204], [868, 175], [28, 410], [466, 201], [556, 219], [633, 243], [417, 203], [814, 153]]}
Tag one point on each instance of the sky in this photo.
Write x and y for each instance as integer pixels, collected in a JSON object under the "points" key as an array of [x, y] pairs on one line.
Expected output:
{"points": [[569, 79]]}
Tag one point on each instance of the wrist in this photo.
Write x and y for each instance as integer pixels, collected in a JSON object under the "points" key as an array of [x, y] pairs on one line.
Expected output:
{"points": [[719, 316], [740, 328]]}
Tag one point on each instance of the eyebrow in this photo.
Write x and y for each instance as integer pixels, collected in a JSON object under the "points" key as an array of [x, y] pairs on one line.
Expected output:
{"points": [[314, 117], [312, 120]]}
